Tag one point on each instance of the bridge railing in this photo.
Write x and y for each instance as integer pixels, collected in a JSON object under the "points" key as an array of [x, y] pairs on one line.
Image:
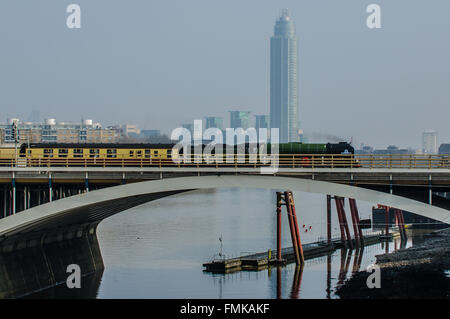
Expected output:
{"points": [[370, 161]]}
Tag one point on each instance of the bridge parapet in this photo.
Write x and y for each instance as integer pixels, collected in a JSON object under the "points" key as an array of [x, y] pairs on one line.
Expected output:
{"points": [[369, 161]]}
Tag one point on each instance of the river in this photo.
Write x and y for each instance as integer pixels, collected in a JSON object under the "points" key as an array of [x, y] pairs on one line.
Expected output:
{"points": [[156, 250]]}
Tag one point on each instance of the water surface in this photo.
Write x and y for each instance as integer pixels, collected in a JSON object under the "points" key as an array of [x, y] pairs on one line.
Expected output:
{"points": [[157, 250]]}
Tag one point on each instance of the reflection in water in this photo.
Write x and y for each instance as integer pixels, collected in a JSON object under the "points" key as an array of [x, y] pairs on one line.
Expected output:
{"points": [[279, 282], [358, 259], [345, 259], [34, 269], [403, 242], [337, 265], [296, 283], [328, 291], [89, 289], [343, 266]]}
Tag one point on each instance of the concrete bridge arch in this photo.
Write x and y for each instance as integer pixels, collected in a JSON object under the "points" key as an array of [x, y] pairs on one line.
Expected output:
{"points": [[92, 207]]}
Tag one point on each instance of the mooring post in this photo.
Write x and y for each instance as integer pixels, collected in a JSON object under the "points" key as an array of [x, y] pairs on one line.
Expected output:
{"points": [[402, 223], [292, 228], [279, 203], [297, 233], [386, 220], [398, 221], [341, 223], [396, 218], [354, 222], [344, 220], [329, 219], [358, 222]]}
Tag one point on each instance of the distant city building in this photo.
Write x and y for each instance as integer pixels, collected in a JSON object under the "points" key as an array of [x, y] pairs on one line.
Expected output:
{"points": [[239, 119], [131, 130], [189, 127], [150, 133], [214, 122], [444, 149], [283, 79], [63, 132], [35, 116], [197, 135], [364, 149], [195, 129], [391, 149], [429, 142], [261, 121]]}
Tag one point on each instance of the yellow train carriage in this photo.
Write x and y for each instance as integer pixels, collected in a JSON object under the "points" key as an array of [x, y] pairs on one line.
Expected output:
{"points": [[98, 151], [7, 152]]}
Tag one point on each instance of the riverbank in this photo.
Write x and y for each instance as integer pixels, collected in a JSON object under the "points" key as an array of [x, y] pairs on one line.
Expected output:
{"points": [[422, 271]]}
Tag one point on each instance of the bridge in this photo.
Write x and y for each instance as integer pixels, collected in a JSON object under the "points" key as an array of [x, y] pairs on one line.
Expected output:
{"points": [[54, 195]]}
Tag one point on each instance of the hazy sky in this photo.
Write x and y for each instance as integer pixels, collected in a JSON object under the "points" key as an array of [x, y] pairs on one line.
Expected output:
{"points": [[160, 63]]}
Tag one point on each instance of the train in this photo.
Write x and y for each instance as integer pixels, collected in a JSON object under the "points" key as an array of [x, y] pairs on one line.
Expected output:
{"points": [[102, 151], [157, 153]]}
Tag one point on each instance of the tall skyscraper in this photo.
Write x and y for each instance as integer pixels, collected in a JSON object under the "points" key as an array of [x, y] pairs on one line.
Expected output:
{"points": [[283, 79], [261, 121], [214, 122], [429, 142], [239, 119]]}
